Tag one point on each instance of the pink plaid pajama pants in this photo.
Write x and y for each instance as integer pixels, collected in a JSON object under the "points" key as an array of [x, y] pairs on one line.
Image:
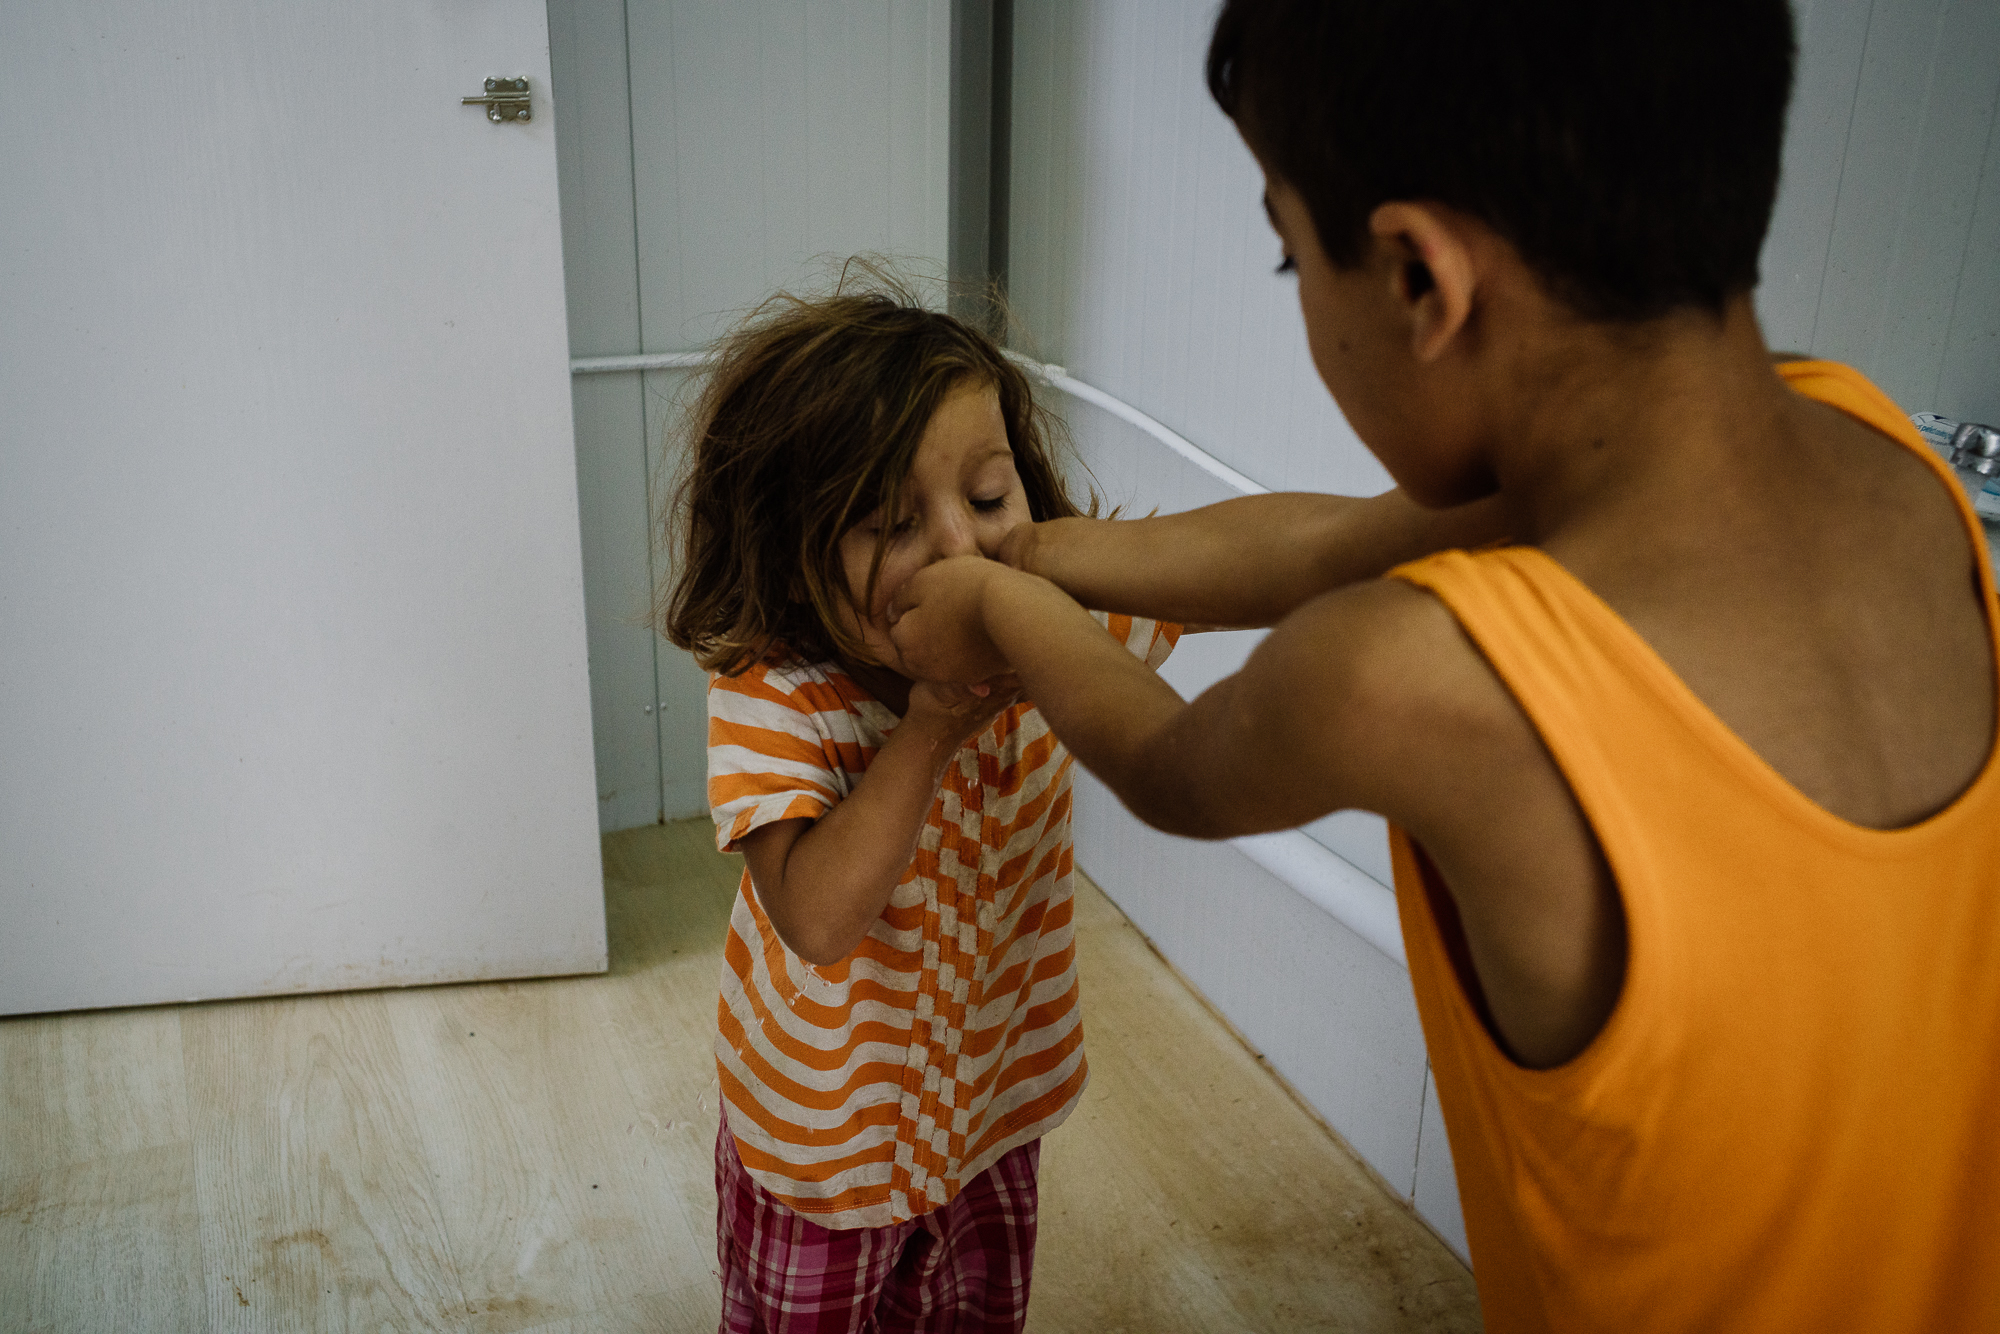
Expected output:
{"points": [[963, 1268]]}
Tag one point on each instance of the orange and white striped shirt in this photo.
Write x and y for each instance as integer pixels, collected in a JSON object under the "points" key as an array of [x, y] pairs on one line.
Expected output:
{"points": [[868, 1092]]}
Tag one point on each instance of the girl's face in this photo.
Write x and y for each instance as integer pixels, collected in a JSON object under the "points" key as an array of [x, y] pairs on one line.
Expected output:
{"points": [[961, 497]]}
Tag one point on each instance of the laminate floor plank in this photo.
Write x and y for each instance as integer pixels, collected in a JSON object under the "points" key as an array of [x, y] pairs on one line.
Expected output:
{"points": [[79, 1087], [557, 1199], [667, 931], [109, 1244], [655, 1313], [318, 1209]]}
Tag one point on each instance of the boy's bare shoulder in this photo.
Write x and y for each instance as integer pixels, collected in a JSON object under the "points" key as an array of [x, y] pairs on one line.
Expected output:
{"points": [[1385, 699], [1384, 644]]}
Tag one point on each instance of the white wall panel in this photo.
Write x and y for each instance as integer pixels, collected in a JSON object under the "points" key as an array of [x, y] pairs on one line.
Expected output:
{"points": [[681, 697], [1434, 1188], [1139, 255], [1922, 113], [973, 110], [1832, 37], [768, 134], [1885, 246], [1969, 376], [615, 513]]}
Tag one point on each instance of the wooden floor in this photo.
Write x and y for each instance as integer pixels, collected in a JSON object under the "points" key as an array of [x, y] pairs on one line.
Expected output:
{"points": [[537, 1156]]}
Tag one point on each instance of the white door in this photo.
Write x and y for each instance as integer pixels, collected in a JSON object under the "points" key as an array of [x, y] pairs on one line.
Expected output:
{"points": [[293, 690]]}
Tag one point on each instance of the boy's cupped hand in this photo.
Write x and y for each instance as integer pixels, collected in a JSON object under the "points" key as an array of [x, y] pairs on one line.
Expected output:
{"points": [[938, 621]]}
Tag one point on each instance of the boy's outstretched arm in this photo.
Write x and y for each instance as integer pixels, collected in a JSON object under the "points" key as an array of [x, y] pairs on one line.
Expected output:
{"points": [[1243, 562], [1265, 749]]}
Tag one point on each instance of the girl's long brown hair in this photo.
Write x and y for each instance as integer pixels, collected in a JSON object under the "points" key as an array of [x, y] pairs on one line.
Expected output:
{"points": [[811, 413]]}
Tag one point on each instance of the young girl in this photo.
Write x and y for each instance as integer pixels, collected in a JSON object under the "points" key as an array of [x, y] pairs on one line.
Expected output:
{"points": [[899, 1022]]}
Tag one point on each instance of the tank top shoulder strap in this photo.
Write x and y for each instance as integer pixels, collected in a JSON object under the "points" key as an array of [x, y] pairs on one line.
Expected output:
{"points": [[1843, 387], [1581, 674]]}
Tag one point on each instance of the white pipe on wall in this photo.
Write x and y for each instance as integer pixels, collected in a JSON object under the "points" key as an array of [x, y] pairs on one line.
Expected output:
{"points": [[645, 361], [1330, 882], [1119, 408]]}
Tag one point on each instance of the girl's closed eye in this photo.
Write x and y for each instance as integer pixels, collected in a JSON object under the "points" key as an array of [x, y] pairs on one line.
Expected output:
{"points": [[1286, 265], [990, 506]]}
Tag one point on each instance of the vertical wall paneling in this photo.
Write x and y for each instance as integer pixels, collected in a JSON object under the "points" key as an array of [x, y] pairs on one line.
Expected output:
{"points": [[681, 700], [1000, 154], [1922, 113], [769, 136], [1969, 377], [1884, 251], [1832, 35], [601, 274], [711, 155], [1045, 79], [971, 167]]}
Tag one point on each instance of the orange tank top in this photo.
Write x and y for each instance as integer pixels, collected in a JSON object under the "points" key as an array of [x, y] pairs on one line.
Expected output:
{"points": [[1791, 1120]]}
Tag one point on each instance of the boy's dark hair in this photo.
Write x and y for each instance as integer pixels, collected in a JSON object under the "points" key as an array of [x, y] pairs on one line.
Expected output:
{"points": [[810, 415], [1628, 149]]}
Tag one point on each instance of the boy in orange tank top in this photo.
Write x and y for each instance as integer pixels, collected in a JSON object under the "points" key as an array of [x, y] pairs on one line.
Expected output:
{"points": [[1697, 824]]}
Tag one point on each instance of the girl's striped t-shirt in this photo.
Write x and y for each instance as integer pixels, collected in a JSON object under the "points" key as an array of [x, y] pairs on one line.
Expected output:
{"points": [[868, 1092]]}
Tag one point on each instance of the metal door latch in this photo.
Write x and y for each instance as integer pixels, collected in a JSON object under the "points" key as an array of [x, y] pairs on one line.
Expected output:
{"points": [[505, 100]]}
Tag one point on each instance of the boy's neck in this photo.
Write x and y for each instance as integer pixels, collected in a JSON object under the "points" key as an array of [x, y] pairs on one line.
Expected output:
{"points": [[1618, 422]]}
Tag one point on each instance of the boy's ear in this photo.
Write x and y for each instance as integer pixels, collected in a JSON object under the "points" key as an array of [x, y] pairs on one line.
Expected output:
{"points": [[1431, 271]]}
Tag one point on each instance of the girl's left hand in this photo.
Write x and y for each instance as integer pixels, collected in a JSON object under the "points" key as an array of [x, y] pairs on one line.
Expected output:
{"points": [[955, 712], [938, 622]]}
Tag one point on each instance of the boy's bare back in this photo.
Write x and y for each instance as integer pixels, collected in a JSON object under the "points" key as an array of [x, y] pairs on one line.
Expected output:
{"points": [[1811, 581], [1841, 639]]}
